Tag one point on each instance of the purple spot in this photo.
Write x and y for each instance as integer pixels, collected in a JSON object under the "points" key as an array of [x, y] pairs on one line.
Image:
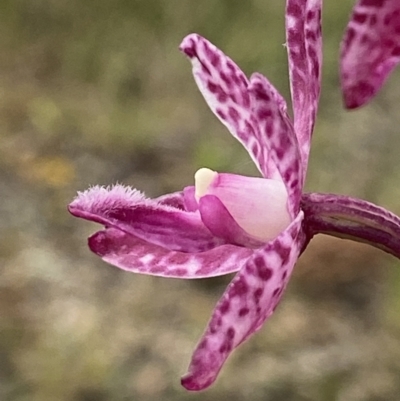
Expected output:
{"points": [[239, 288], [283, 252], [243, 312], [359, 18], [215, 60], [264, 113], [230, 333], [224, 307], [221, 114], [234, 114], [259, 262], [265, 274], [257, 294]]}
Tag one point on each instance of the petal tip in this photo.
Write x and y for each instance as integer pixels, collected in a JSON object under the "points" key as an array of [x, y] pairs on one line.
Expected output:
{"points": [[188, 45], [191, 383]]}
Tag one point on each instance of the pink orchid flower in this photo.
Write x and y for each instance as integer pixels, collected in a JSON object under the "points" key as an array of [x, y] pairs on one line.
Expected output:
{"points": [[370, 49], [226, 223]]}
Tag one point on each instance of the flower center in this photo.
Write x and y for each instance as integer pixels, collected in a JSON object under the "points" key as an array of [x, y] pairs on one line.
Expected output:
{"points": [[258, 205]]}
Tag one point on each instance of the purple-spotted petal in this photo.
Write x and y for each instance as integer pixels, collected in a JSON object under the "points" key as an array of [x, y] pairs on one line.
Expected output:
{"points": [[129, 211], [225, 88], [275, 126], [135, 255], [370, 49], [304, 45], [249, 300]]}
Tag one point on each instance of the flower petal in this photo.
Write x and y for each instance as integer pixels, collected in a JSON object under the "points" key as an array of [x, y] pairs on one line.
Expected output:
{"points": [[138, 256], [370, 49], [304, 44], [224, 87], [245, 199], [220, 222], [274, 125], [249, 300], [174, 199], [129, 211]]}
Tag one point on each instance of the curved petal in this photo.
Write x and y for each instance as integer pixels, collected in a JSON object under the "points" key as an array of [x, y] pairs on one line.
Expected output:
{"points": [[249, 300], [224, 87], [135, 255], [370, 49], [220, 222], [275, 125], [304, 45], [129, 211]]}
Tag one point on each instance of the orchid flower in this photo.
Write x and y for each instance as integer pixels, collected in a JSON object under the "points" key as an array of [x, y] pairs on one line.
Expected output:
{"points": [[370, 49], [225, 223]]}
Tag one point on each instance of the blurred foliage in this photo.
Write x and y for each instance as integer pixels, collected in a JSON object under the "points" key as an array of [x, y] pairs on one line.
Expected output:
{"points": [[94, 92]]}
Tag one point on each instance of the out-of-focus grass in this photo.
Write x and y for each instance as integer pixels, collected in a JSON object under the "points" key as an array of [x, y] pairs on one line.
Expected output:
{"points": [[94, 92]]}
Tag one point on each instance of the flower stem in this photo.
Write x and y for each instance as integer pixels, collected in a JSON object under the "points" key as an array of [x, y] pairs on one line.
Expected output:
{"points": [[351, 218]]}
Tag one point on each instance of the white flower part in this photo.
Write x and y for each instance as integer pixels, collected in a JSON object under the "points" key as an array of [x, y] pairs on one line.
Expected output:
{"points": [[259, 205]]}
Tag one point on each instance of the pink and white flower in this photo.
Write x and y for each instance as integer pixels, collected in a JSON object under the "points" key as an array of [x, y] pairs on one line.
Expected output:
{"points": [[227, 223]]}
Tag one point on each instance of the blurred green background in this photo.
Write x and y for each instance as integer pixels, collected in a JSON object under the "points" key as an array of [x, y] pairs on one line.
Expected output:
{"points": [[95, 92]]}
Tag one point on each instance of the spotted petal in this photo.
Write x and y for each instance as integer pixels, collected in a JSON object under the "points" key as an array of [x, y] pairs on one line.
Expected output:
{"points": [[249, 300], [304, 44], [158, 223], [274, 125], [138, 256], [370, 49], [253, 111], [225, 88]]}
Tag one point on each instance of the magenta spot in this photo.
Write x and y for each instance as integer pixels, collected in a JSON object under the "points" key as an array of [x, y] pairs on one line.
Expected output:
{"points": [[276, 291], [222, 97], [226, 79], [254, 149], [221, 114], [191, 51], [224, 306], [259, 262], [311, 36], [284, 275], [239, 288], [230, 333], [373, 3], [215, 60], [351, 34], [282, 251], [264, 113], [294, 9], [359, 18], [203, 344], [212, 87], [243, 312], [257, 294], [234, 114], [230, 66], [310, 15], [265, 273], [260, 94], [280, 153]]}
